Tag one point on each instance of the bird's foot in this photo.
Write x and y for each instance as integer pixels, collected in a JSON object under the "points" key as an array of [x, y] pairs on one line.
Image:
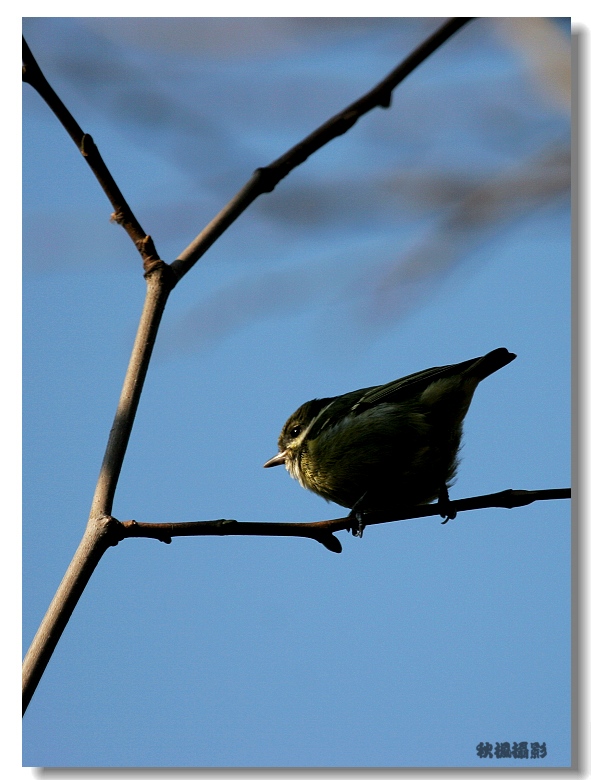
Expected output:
{"points": [[443, 504], [357, 518], [357, 524]]}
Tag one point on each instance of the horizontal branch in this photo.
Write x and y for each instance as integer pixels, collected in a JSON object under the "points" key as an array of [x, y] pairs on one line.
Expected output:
{"points": [[123, 215], [323, 530], [265, 179]]}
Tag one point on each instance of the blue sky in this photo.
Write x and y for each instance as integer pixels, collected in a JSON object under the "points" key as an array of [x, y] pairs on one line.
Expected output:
{"points": [[429, 234]]}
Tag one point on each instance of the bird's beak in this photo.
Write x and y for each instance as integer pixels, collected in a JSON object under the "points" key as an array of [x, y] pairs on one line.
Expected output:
{"points": [[278, 460]]}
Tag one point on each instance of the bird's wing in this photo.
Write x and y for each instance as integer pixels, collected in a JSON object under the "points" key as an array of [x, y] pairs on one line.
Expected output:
{"points": [[414, 384], [411, 385], [333, 410]]}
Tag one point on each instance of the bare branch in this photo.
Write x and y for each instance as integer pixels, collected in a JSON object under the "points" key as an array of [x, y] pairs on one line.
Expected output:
{"points": [[265, 179], [323, 530], [159, 285], [123, 214]]}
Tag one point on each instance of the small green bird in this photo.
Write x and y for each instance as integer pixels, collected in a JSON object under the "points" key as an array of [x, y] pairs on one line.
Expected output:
{"points": [[389, 446]]}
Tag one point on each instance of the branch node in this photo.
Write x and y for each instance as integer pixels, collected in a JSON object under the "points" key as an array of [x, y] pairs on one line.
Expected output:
{"points": [[153, 264], [347, 120], [385, 100], [87, 145], [268, 178], [150, 256], [113, 529]]}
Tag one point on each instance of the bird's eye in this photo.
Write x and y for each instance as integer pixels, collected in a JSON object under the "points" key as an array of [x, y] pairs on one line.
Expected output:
{"points": [[295, 431]]}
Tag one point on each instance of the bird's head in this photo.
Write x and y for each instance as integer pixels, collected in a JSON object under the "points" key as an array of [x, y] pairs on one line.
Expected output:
{"points": [[292, 439]]}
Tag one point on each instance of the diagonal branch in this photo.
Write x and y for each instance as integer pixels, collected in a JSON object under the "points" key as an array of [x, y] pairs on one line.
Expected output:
{"points": [[159, 283], [123, 214], [265, 179], [323, 530]]}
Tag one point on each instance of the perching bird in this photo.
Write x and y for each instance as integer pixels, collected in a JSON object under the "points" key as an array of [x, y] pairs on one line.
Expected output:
{"points": [[389, 446]]}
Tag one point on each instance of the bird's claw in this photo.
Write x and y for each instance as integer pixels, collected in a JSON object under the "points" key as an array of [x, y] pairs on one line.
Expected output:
{"points": [[357, 524], [357, 517], [443, 504]]}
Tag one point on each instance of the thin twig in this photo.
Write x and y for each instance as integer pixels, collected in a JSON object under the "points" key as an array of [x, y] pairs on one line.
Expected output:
{"points": [[323, 530], [265, 179], [123, 214]]}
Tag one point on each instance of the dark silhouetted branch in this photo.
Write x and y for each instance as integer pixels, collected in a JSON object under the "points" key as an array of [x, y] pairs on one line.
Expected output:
{"points": [[323, 530]]}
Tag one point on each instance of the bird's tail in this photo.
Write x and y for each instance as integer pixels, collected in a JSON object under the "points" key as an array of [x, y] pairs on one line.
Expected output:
{"points": [[488, 364]]}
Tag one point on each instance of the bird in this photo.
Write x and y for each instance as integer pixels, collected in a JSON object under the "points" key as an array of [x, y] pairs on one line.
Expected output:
{"points": [[389, 446]]}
